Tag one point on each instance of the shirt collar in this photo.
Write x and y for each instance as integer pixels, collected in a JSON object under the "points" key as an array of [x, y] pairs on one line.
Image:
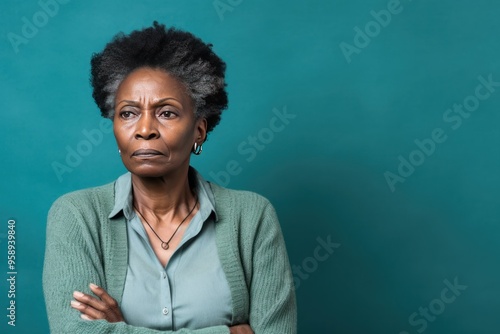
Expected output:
{"points": [[124, 196]]}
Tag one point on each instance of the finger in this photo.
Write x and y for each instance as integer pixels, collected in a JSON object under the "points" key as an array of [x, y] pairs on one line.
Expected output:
{"points": [[112, 310], [105, 297], [87, 310], [88, 300]]}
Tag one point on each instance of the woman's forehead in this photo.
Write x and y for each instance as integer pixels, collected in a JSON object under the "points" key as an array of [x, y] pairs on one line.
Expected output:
{"points": [[152, 86]]}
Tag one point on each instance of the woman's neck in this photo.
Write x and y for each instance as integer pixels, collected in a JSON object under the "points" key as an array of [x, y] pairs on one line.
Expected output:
{"points": [[165, 197]]}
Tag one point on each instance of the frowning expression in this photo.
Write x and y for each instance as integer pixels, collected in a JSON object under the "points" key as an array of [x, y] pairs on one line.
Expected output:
{"points": [[154, 123]]}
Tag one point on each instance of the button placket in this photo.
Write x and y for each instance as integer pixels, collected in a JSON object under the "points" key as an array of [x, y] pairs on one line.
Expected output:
{"points": [[166, 308]]}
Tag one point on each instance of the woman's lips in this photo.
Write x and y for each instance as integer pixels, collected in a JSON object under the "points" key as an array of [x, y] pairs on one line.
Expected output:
{"points": [[146, 153]]}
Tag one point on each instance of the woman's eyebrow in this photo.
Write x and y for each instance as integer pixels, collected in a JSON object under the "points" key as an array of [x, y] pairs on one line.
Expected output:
{"points": [[128, 101], [154, 103], [166, 99]]}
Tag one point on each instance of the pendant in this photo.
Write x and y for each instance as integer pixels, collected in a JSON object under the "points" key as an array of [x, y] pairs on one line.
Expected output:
{"points": [[164, 245]]}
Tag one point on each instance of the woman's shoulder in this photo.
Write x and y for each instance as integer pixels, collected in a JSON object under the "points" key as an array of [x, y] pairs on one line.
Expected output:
{"points": [[244, 208], [83, 195], [81, 215], [246, 198], [86, 200]]}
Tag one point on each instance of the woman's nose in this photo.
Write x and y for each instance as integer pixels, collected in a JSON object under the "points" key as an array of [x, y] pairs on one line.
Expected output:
{"points": [[147, 127]]}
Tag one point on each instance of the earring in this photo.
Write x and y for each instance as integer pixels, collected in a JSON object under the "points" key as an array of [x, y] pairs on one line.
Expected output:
{"points": [[197, 149], [119, 152]]}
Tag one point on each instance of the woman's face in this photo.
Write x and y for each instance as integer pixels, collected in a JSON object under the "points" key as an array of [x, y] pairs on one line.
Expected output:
{"points": [[154, 123]]}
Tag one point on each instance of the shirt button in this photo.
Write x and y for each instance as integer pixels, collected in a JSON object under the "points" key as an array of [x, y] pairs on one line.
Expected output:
{"points": [[164, 275], [165, 311]]}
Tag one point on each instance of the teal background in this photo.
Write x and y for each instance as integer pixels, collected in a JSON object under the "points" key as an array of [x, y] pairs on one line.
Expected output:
{"points": [[324, 172]]}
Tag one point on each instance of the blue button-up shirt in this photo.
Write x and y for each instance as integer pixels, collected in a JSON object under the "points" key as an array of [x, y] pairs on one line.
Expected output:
{"points": [[192, 290]]}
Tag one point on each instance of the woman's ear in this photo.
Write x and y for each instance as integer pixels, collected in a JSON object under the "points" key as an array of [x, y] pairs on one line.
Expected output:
{"points": [[200, 131]]}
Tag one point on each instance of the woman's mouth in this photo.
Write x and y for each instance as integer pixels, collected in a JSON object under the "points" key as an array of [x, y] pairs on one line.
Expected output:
{"points": [[146, 153]]}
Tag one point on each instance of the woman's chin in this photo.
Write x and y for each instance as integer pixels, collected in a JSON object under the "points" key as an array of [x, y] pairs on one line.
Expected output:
{"points": [[148, 172]]}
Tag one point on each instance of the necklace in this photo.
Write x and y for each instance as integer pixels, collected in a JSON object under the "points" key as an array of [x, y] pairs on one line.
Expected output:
{"points": [[164, 244]]}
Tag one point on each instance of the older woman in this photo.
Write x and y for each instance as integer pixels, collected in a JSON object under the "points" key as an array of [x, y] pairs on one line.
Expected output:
{"points": [[161, 249]]}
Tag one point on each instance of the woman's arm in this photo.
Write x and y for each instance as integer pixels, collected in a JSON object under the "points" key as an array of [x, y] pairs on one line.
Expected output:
{"points": [[273, 307], [105, 307], [73, 259]]}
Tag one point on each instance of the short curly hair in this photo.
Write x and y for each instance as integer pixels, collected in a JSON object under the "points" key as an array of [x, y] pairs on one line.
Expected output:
{"points": [[177, 52]]}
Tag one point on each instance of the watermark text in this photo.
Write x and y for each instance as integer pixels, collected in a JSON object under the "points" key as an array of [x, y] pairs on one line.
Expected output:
{"points": [[32, 25], [453, 116], [11, 272]]}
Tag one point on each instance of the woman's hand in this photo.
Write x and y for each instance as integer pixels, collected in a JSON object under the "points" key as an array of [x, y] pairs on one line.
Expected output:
{"points": [[240, 329], [104, 307]]}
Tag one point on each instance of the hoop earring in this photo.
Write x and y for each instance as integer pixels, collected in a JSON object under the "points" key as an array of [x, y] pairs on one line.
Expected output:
{"points": [[197, 149]]}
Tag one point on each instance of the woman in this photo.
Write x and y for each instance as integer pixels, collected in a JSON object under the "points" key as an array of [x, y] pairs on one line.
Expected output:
{"points": [[160, 249]]}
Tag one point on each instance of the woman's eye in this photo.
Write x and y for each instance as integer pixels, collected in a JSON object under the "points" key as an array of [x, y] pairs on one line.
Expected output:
{"points": [[126, 114], [167, 114]]}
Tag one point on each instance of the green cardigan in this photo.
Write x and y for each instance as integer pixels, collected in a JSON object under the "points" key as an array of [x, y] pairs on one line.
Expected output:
{"points": [[85, 246]]}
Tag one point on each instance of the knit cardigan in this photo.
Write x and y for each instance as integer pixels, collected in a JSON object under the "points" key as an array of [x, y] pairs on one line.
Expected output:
{"points": [[85, 246]]}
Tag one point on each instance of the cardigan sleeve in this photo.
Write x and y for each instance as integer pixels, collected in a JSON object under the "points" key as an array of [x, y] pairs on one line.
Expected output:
{"points": [[273, 307], [73, 259]]}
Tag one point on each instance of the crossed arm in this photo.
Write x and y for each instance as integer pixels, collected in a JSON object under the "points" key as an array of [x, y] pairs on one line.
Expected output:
{"points": [[106, 307]]}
